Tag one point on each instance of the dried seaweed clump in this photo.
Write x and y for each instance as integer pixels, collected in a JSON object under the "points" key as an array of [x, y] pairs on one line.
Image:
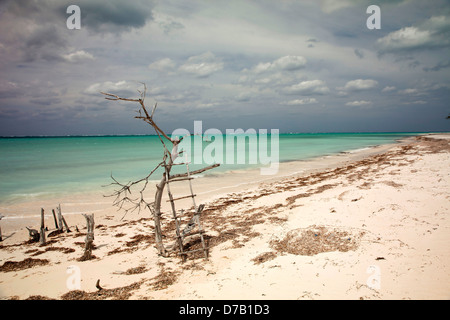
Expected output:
{"points": [[122, 293], [263, 257], [137, 270], [164, 279], [316, 239], [9, 266]]}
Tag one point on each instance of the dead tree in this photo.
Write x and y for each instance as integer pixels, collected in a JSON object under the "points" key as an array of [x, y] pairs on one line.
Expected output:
{"points": [[123, 193]]}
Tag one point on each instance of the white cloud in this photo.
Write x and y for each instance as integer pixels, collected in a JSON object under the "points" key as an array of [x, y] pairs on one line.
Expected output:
{"points": [[298, 102], [328, 6], [78, 56], [409, 91], [308, 87], [287, 63], [388, 89], [208, 105], [360, 84], [262, 67], [405, 38], [112, 87], [360, 103], [165, 64], [433, 33], [290, 62], [202, 65]]}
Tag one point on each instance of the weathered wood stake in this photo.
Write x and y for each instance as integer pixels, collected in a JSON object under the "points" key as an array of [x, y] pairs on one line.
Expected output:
{"points": [[54, 218], [89, 241], [65, 225], [60, 224], [42, 233], [1, 238]]}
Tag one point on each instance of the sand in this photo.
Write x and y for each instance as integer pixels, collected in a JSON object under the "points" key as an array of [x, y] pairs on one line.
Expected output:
{"points": [[372, 224]]}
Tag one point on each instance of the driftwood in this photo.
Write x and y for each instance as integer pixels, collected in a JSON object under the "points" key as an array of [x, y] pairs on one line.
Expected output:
{"points": [[65, 225], [124, 192], [62, 221], [89, 241], [40, 236], [34, 234]]}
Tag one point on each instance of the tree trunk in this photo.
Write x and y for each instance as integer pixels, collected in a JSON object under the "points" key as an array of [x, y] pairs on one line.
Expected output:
{"points": [[89, 241], [158, 197], [157, 212]]}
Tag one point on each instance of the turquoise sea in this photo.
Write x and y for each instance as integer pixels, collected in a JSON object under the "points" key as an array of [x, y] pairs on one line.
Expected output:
{"points": [[32, 167]]}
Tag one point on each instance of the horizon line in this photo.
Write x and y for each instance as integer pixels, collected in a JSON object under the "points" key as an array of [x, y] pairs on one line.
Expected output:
{"points": [[137, 135]]}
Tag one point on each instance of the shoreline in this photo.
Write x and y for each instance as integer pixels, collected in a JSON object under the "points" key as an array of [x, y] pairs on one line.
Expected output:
{"points": [[380, 217], [70, 183], [209, 186]]}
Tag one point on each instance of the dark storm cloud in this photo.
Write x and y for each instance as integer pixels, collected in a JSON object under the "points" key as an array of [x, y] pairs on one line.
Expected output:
{"points": [[359, 53], [115, 16], [46, 101], [273, 64], [37, 29], [439, 66], [104, 16], [46, 43]]}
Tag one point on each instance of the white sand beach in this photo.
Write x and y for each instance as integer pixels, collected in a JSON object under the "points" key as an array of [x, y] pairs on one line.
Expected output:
{"points": [[373, 224]]}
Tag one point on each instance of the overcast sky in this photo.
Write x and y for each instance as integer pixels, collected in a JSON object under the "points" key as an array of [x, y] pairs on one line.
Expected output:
{"points": [[296, 66]]}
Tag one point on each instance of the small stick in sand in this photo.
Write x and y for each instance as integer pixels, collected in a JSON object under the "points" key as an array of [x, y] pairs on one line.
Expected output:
{"points": [[97, 285]]}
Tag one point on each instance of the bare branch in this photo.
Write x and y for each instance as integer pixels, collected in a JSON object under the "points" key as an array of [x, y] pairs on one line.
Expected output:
{"points": [[182, 175], [116, 97], [154, 108]]}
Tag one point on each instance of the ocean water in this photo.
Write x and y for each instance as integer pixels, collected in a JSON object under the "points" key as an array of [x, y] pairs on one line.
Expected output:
{"points": [[33, 167]]}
